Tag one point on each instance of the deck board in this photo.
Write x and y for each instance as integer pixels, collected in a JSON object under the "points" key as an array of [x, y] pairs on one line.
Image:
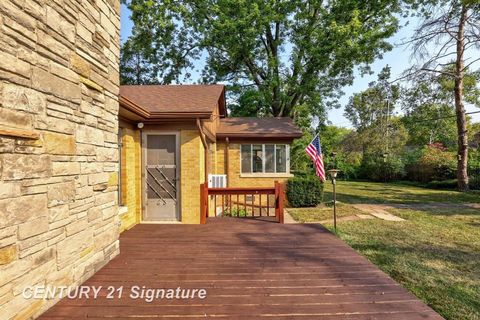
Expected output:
{"points": [[250, 269]]}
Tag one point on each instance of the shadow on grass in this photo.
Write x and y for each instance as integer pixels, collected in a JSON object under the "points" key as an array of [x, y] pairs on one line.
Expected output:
{"points": [[383, 193], [400, 197], [383, 254]]}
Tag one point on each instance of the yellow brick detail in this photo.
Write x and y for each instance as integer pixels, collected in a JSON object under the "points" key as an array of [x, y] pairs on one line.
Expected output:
{"points": [[113, 179], [131, 178], [192, 175], [234, 178]]}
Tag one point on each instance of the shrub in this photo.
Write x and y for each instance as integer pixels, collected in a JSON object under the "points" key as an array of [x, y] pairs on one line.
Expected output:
{"points": [[235, 212], [436, 163], [410, 159], [304, 191], [347, 164], [376, 168], [474, 168], [450, 184]]}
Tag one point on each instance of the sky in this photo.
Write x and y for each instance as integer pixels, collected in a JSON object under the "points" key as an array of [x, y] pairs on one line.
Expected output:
{"points": [[398, 59]]}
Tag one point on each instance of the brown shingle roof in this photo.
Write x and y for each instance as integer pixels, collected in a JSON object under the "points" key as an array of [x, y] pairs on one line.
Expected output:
{"points": [[175, 98], [242, 127]]}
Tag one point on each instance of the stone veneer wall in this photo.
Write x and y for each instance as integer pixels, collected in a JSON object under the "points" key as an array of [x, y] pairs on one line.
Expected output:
{"points": [[58, 184]]}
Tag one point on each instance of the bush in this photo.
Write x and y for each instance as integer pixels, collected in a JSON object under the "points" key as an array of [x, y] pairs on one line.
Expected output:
{"points": [[450, 184], [348, 165], [436, 164], [235, 212], [304, 191], [474, 168], [376, 168]]}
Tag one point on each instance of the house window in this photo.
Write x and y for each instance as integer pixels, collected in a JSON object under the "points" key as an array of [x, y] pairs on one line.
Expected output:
{"points": [[246, 158], [265, 158], [257, 158]]}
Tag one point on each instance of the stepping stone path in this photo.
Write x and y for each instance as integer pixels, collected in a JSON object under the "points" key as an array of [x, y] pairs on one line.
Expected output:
{"points": [[378, 211], [287, 218]]}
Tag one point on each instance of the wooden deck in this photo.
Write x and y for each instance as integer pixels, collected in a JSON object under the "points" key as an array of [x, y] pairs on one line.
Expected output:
{"points": [[250, 270]]}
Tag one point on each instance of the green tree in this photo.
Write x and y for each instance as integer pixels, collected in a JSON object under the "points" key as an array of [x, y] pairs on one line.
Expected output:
{"points": [[429, 107], [449, 29], [380, 136], [332, 139], [375, 105], [245, 102], [291, 52], [372, 115], [135, 66], [429, 113]]}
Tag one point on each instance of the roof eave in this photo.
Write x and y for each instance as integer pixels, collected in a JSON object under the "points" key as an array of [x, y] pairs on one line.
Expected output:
{"points": [[152, 116], [259, 136], [133, 107], [180, 115]]}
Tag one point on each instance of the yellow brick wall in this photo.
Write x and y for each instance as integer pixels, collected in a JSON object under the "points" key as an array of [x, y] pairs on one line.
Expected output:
{"points": [[192, 175], [131, 177], [234, 178]]}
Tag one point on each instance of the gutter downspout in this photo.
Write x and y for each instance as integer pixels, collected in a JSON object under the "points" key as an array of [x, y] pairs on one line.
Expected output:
{"points": [[205, 146]]}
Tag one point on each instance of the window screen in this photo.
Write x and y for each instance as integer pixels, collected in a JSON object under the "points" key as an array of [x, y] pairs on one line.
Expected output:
{"points": [[246, 158], [264, 158], [257, 158], [281, 158]]}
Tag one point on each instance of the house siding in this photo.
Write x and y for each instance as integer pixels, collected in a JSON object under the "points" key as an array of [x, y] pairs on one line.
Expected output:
{"points": [[192, 175], [234, 175], [131, 178], [58, 146], [235, 179]]}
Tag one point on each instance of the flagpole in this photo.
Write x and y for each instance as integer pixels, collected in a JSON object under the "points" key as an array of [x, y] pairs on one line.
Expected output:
{"points": [[314, 138], [314, 150]]}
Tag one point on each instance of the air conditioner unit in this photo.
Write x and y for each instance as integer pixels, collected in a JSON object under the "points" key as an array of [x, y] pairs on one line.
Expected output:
{"points": [[217, 180]]}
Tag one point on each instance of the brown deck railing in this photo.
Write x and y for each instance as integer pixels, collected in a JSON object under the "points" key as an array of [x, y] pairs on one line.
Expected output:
{"points": [[242, 202]]}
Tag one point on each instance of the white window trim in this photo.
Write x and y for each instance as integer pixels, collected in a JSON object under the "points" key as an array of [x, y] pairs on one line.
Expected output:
{"points": [[274, 174]]}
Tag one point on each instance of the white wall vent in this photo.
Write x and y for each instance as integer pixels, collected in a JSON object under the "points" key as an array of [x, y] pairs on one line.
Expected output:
{"points": [[217, 180]]}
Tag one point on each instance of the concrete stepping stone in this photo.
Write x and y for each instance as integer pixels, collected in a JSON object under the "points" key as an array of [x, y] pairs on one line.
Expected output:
{"points": [[378, 211]]}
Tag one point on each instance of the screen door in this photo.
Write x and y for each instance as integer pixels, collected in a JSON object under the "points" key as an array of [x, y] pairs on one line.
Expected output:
{"points": [[161, 178]]}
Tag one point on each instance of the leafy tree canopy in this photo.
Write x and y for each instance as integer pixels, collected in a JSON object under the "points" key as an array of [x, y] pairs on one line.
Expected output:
{"points": [[375, 105], [279, 54], [429, 107]]}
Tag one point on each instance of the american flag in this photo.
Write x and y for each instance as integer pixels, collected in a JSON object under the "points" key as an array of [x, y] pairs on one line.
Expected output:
{"points": [[314, 150]]}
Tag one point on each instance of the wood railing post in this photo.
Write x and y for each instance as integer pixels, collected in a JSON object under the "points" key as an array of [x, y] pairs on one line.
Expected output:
{"points": [[203, 203], [205, 192], [281, 201]]}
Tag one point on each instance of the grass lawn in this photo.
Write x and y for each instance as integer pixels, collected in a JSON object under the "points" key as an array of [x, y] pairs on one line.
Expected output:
{"points": [[435, 253], [370, 192]]}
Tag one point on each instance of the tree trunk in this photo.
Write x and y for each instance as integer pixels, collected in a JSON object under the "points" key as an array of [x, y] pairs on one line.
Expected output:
{"points": [[462, 174]]}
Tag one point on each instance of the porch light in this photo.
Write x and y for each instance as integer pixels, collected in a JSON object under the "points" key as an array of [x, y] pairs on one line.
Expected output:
{"points": [[140, 125], [333, 174]]}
